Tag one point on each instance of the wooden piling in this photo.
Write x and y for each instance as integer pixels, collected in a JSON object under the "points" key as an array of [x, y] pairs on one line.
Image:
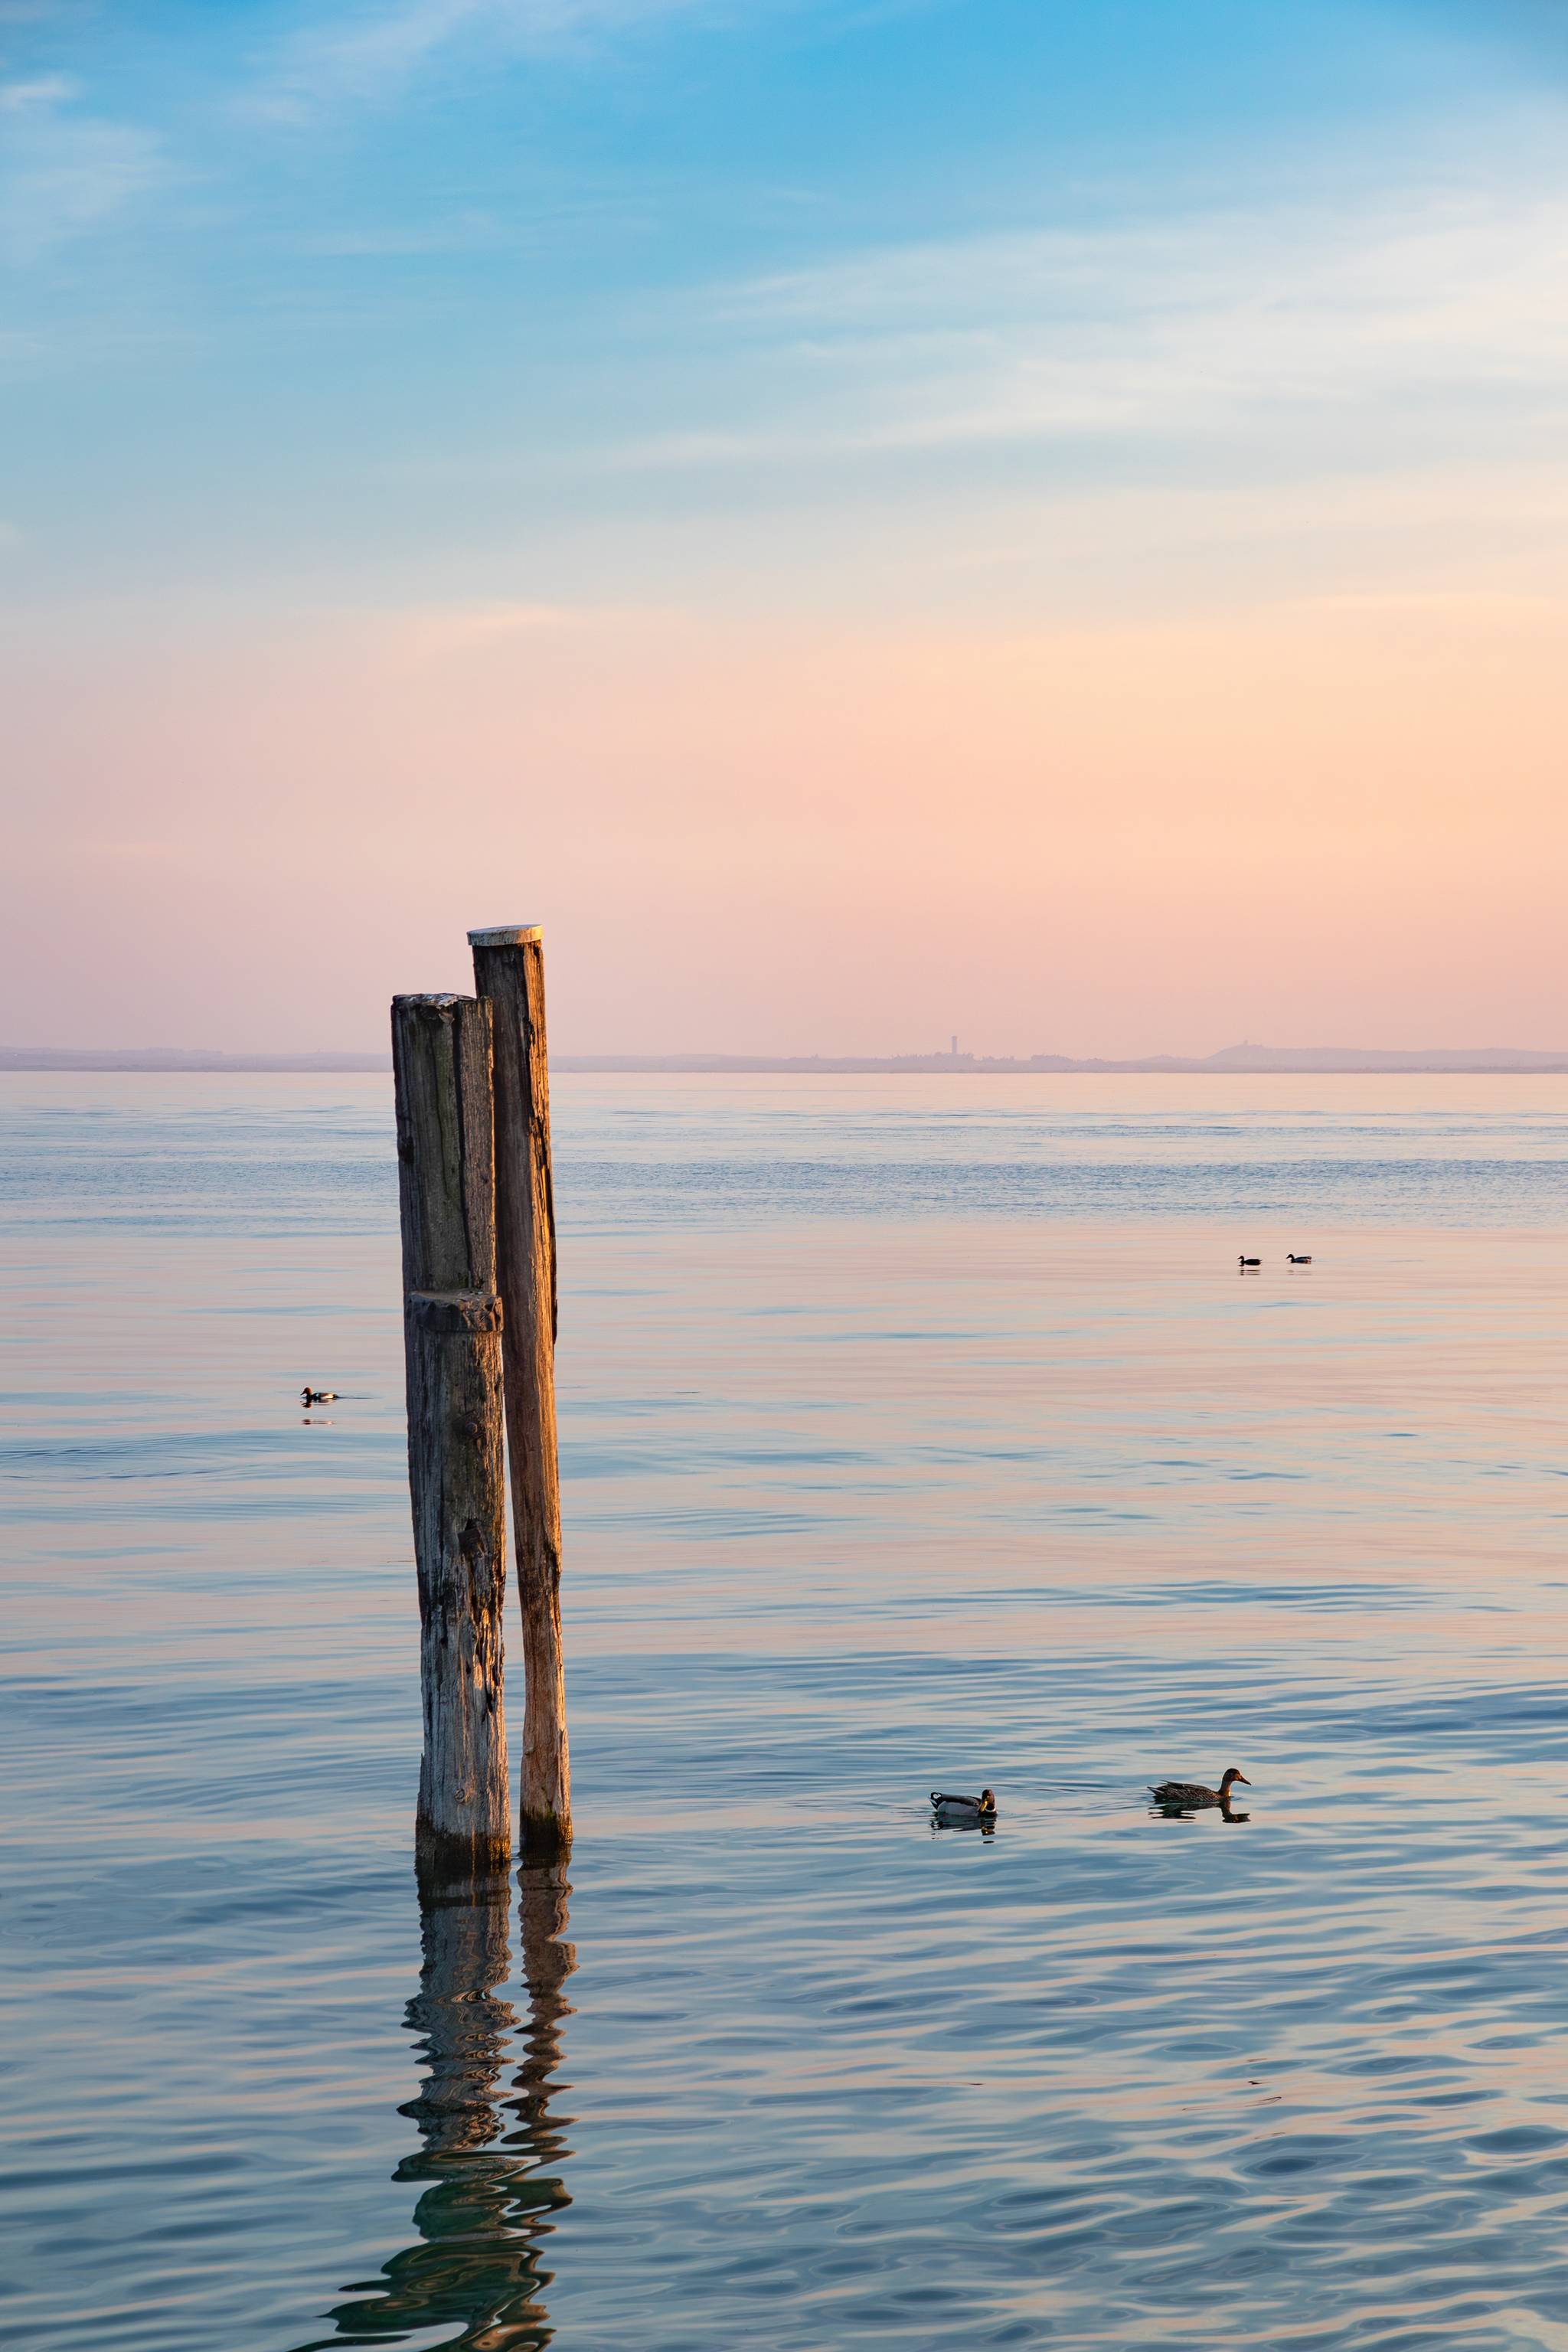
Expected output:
{"points": [[508, 972], [452, 1338]]}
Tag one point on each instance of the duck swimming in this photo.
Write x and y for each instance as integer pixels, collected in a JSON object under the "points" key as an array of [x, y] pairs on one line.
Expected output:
{"points": [[1192, 1793], [318, 1396], [1249, 1261], [1291, 1258], [960, 1811]]}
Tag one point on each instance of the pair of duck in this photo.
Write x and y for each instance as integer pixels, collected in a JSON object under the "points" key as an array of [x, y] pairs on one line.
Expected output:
{"points": [[1290, 1259], [1176, 1796]]}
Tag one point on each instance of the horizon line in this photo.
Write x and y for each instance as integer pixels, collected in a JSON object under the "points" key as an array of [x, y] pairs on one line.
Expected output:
{"points": [[1230, 1060]]}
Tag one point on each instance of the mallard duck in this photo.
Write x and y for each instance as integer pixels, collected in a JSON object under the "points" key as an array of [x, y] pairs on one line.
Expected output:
{"points": [[1192, 1793], [960, 1810], [1291, 1258], [319, 1396]]}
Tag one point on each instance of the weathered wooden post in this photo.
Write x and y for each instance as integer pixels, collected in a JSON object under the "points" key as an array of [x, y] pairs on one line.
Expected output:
{"points": [[452, 1326], [509, 972]]}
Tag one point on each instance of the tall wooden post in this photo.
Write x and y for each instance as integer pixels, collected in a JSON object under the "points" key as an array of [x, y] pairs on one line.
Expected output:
{"points": [[452, 1338], [509, 972]]}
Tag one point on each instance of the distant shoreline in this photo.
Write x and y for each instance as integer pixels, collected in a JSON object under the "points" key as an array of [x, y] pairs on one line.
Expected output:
{"points": [[1231, 1064], [1235, 1061], [156, 1062]]}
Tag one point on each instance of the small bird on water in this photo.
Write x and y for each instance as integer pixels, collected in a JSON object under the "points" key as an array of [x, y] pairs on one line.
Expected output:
{"points": [[1249, 1261], [1191, 1794], [960, 1812], [1291, 1258], [319, 1396]]}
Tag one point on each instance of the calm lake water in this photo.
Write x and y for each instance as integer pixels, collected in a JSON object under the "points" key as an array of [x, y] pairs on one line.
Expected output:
{"points": [[917, 1434]]}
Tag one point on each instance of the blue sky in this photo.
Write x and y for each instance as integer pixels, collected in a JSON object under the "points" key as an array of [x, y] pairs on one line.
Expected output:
{"points": [[1085, 478], [527, 298]]}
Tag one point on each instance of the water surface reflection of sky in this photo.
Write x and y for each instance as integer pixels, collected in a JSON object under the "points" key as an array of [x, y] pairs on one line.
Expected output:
{"points": [[893, 1462]]}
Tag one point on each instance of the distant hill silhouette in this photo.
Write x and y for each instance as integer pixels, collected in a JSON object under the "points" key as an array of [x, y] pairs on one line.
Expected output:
{"points": [[1231, 1061], [177, 1057]]}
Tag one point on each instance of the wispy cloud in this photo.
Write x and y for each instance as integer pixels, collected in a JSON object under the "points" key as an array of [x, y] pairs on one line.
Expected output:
{"points": [[64, 172], [27, 97], [369, 56], [1182, 326]]}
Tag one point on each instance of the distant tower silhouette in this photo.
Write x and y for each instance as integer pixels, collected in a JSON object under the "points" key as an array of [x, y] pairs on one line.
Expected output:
{"points": [[955, 1049]]}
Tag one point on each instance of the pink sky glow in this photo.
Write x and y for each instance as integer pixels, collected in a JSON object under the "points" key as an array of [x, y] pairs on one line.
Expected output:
{"points": [[1335, 822]]}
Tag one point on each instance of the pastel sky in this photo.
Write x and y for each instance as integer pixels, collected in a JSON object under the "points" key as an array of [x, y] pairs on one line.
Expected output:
{"points": [[1044, 518]]}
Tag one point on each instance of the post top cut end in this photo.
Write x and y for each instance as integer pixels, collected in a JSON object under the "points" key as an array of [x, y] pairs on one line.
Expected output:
{"points": [[508, 935]]}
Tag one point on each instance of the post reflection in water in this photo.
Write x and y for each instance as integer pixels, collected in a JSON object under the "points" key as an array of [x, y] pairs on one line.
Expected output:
{"points": [[488, 2153]]}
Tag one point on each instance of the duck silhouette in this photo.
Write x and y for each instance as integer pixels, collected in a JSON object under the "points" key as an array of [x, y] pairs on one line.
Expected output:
{"points": [[1191, 1796], [318, 1396], [963, 1812]]}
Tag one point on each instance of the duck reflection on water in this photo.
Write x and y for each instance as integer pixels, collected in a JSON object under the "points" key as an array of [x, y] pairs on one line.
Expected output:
{"points": [[486, 2164]]}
